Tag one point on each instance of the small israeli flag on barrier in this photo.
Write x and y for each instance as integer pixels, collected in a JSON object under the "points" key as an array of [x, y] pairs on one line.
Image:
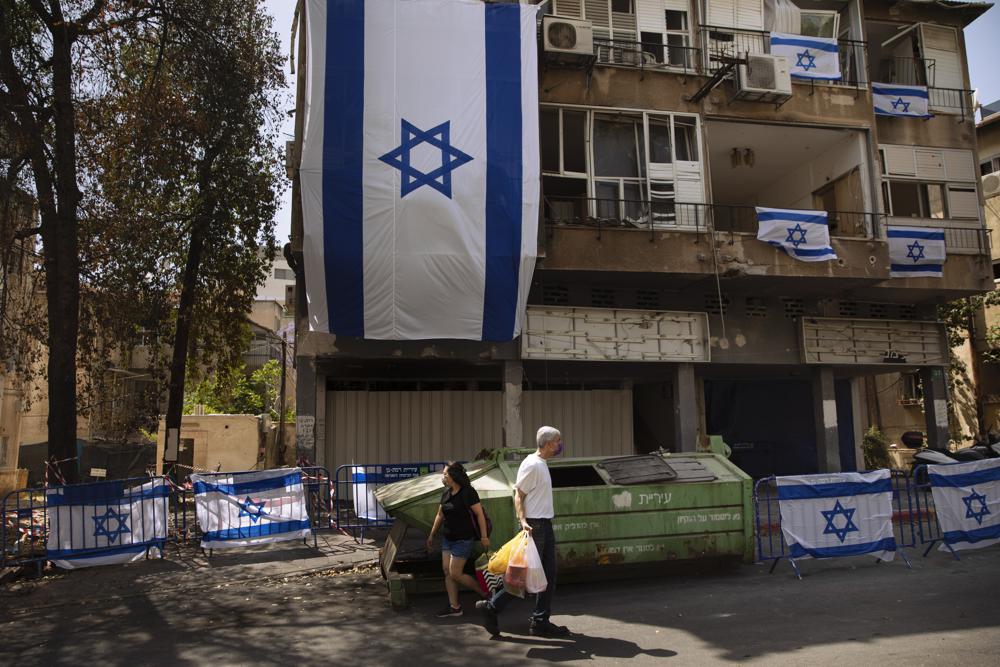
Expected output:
{"points": [[916, 252], [246, 508], [804, 235], [892, 99], [105, 523], [808, 57], [967, 501], [842, 514]]}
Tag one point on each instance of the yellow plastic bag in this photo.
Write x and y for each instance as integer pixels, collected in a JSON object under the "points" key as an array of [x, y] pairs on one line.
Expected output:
{"points": [[498, 561], [516, 576]]}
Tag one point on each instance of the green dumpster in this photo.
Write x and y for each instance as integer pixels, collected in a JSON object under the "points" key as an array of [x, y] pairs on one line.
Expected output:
{"points": [[621, 511]]}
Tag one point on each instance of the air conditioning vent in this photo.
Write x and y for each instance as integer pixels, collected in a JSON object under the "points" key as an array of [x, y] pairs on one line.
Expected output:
{"points": [[764, 78], [567, 39], [991, 184]]}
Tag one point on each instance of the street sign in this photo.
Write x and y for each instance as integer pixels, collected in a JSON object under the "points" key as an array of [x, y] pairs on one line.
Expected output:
{"points": [[98, 472]]}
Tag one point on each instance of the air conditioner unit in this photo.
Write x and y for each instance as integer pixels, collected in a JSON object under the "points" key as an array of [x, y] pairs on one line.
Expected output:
{"points": [[567, 38], [764, 78], [991, 184]]}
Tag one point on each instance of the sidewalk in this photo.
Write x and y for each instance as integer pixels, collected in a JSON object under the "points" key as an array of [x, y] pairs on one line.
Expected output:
{"points": [[185, 567]]}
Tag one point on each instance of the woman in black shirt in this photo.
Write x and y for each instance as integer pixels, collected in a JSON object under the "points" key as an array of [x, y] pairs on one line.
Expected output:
{"points": [[459, 507]]}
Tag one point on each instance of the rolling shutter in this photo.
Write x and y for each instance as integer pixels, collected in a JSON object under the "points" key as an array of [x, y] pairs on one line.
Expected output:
{"points": [[569, 8], [940, 44], [960, 165], [899, 160], [930, 164], [963, 202]]}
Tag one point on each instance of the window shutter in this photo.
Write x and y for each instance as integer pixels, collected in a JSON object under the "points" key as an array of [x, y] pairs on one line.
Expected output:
{"points": [[569, 8], [930, 164], [899, 160], [750, 14], [960, 165], [650, 16], [963, 202], [940, 44], [722, 13]]}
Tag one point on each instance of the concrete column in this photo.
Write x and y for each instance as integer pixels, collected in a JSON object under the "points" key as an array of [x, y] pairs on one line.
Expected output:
{"points": [[513, 427], [935, 406], [305, 408], [685, 400], [825, 415]]}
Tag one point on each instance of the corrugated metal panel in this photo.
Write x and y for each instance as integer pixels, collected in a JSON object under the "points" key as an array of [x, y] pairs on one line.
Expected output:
{"points": [[415, 426]]}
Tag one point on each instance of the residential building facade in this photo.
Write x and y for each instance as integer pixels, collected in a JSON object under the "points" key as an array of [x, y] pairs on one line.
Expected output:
{"points": [[656, 317]]}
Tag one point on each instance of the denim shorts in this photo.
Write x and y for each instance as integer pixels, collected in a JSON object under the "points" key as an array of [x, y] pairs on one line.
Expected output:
{"points": [[457, 548]]}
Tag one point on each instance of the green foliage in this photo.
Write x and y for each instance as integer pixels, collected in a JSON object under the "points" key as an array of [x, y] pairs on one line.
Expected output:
{"points": [[875, 448], [232, 392]]}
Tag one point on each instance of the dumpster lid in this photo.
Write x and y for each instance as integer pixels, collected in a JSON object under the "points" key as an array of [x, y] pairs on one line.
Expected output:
{"points": [[637, 470]]}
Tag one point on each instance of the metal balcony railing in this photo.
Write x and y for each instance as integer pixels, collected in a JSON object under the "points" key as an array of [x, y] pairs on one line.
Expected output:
{"points": [[653, 215], [646, 55], [921, 72], [720, 43]]}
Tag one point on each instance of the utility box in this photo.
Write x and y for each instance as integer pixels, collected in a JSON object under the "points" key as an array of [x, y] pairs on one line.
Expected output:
{"points": [[610, 512]]}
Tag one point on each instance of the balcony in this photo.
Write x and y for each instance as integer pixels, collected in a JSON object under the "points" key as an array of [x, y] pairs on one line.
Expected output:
{"points": [[647, 55], [923, 72]]}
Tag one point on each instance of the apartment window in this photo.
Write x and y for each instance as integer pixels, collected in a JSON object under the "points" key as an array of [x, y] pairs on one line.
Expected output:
{"points": [[911, 390], [671, 47], [686, 139], [564, 163], [284, 274], [619, 164], [989, 166], [912, 199], [819, 23]]}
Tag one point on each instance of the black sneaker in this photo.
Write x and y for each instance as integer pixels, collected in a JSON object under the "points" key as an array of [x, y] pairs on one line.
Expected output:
{"points": [[490, 621], [448, 610], [547, 629]]}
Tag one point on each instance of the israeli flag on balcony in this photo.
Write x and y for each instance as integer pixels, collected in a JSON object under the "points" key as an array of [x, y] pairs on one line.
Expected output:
{"points": [[246, 508], [420, 168], [105, 523], [842, 514], [967, 500], [804, 235], [916, 252], [808, 57], [892, 99]]}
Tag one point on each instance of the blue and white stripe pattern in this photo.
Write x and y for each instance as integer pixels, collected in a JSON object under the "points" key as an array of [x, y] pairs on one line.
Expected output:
{"points": [[842, 514], [420, 168], [967, 501], [916, 252], [804, 235], [808, 57], [892, 99], [105, 523], [246, 508]]}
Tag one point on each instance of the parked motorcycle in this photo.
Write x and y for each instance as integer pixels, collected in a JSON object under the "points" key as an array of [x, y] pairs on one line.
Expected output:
{"points": [[938, 456]]}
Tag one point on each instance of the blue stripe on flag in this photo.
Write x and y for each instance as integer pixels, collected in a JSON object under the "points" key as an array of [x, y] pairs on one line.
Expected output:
{"points": [[262, 530], [253, 486], [904, 234], [834, 490], [909, 92], [886, 544], [966, 479], [975, 535], [99, 552], [831, 77], [102, 493], [808, 43], [503, 170], [916, 268], [810, 252], [343, 148], [790, 216]]}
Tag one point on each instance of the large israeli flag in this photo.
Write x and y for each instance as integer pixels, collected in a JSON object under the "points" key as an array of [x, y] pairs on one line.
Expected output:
{"points": [[893, 99], [842, 514], [916, 252], [246, 508], [804, 235], [808, 57], [105, 523], [420, 167], [967, 502]]}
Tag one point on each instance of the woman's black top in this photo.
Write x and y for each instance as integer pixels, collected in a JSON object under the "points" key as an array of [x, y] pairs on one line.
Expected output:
{"points": [[457, 515]]}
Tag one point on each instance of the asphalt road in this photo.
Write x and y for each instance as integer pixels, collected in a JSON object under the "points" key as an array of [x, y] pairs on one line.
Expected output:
{"points": [[850, 611]]}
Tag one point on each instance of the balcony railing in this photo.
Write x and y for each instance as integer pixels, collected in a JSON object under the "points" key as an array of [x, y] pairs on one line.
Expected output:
{"points": [[646, 55], [654, 216], [959, 240], [921, 72], [720, 43]]}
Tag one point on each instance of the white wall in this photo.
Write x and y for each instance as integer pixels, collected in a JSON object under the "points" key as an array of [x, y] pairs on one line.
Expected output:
{"points": [[794, 189], [274, 288]]}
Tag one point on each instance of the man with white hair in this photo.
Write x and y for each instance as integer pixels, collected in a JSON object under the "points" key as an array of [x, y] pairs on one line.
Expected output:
{"points": [[534, 509]]}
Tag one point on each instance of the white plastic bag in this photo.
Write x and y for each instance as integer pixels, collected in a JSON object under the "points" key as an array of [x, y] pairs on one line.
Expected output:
{"points": [[536, 581]]}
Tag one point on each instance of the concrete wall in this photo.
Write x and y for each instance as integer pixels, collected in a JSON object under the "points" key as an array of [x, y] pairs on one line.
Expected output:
{"points": [[796, 188], [221, 442], [273, 288], [10, 436]]}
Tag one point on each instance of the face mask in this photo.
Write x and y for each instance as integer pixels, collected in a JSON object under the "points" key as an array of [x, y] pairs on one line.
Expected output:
{"points": [[559, 449]]}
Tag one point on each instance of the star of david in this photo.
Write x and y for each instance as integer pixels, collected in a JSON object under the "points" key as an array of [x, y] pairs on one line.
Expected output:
{"points": [[796, 235], [898, 102], [848, 526], [101, 525], [806, 60], [983, 509], [439, 137], [255, 513], [916, 251]]}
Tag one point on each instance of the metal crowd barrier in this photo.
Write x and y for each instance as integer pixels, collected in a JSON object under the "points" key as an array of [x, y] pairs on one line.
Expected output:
{"points": [[771, 545], [28, 518], [928, 529], [354, 487]]}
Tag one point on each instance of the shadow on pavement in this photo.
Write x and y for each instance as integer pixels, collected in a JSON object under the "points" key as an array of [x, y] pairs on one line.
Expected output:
{"points": [[583, 647]]}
